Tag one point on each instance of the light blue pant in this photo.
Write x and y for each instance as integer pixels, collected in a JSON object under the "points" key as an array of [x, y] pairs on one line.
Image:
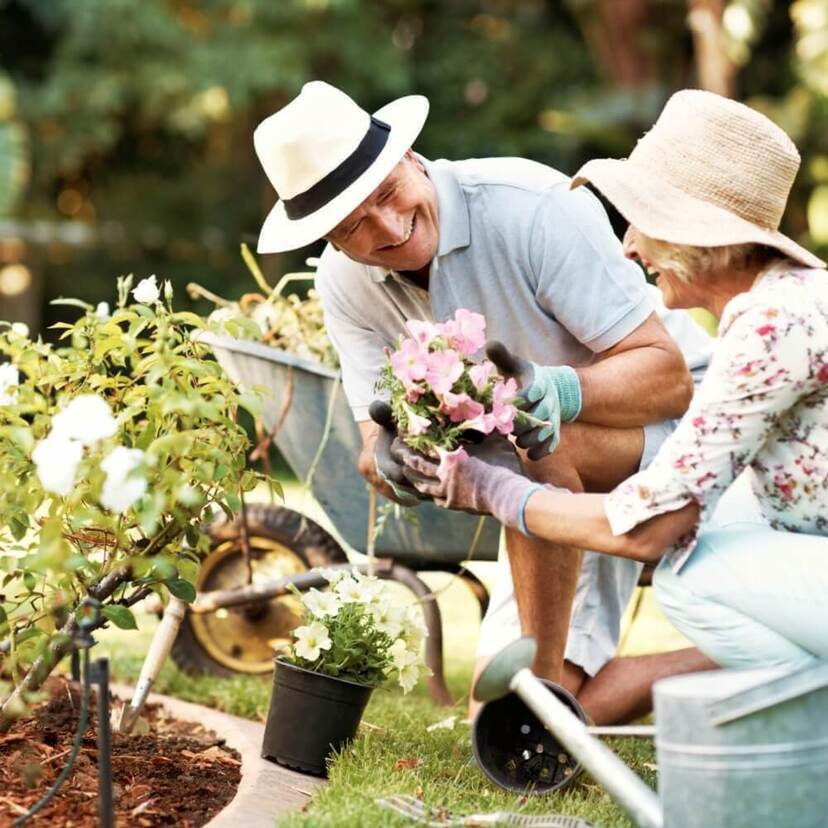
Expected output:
{"points": [[750, 596]]}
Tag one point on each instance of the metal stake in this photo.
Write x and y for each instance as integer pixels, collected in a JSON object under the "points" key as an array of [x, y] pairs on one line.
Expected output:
{"points": [[100, 675]]}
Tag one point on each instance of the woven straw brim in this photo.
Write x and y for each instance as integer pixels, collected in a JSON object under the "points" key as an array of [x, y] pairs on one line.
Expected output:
{"points": [[662, 211], [406, 117]]}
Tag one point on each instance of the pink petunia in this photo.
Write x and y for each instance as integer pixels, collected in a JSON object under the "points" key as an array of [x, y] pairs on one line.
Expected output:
{"points": [[503, 408], [467, 331], [822, 373], [449, 459], [484, 423], [409, 362], [480, 374], [443, 369], [416, 423], [461, 407], [422, 331], [765, 330]]}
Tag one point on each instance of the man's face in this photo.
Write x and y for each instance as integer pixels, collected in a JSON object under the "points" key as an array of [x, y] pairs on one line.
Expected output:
{"points": [[397, 225]]}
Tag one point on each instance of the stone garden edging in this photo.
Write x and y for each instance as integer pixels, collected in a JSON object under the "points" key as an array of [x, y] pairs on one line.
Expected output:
{"points": [[267, 790]]}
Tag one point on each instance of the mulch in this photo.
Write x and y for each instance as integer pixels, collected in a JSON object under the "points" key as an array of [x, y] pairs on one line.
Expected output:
{"points": [[168, 773]]}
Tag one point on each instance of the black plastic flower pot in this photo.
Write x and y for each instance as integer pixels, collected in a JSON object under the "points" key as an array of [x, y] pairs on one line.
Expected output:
{"points": [[516, 751], [311, 715]]}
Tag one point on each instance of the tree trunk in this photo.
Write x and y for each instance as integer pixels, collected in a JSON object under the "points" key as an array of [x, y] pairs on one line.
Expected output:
{"points": [[716, 71]]}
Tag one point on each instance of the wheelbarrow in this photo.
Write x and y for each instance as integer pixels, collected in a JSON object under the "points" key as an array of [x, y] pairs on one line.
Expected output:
{"points": [[244, 611]]}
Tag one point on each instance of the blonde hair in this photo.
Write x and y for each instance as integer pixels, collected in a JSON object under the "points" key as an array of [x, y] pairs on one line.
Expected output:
{"points": [[688, 261]]}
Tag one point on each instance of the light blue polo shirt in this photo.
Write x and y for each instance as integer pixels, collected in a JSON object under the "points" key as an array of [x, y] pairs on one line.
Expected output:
{"points": [[538, 260]]}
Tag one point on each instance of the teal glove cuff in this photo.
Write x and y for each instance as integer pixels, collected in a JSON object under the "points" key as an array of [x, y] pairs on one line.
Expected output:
{"points": [[521, 522], [568, 385]]}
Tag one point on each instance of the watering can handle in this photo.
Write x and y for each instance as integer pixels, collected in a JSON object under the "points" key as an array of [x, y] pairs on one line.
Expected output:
{"points": [[769, 694]]}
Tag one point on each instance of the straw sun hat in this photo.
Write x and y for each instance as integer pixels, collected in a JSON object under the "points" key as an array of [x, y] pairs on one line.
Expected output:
{"points": [[711, 172], [325, 155]]}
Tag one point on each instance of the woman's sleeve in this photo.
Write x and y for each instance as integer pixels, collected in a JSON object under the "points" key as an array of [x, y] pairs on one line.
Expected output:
{"points": [[760, 369]]}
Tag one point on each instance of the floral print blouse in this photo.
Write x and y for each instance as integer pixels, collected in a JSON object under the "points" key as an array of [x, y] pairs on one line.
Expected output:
{"points": [[763, 404]]}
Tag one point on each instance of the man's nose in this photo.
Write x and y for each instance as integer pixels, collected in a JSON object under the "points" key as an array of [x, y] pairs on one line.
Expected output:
{"points": [[630, 250], [390, 225]]}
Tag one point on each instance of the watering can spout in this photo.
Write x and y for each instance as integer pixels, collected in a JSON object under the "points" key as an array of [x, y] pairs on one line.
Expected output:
{"points": [[509, 672]]}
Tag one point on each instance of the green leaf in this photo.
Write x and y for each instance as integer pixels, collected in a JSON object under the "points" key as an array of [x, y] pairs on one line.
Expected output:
{"points": [[252, 403], [29, 581], [182, 589], [75, 303], [120, 616]]}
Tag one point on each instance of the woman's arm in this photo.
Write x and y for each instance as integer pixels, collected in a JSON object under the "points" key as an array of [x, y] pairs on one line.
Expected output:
{"points": [[579, 520]]}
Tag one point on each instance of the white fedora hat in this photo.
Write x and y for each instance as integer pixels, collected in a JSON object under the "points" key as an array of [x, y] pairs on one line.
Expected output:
{"points": [[325, 155], [710, 172]]}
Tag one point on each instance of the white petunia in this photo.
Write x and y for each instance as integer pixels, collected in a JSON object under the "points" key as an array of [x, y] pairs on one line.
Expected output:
{"points": [[321, 603], [310, 640], [87, 419], [406, 663], [57, 460], [9, 380], [146, 292], [389, 619], [353, 591], [222, 315], [102, 311], [121, 488], [331, 575]]}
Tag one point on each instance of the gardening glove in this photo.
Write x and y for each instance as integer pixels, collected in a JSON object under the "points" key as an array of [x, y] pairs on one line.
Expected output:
{"points": [[483, 479], [550, 393], [388, 469]]}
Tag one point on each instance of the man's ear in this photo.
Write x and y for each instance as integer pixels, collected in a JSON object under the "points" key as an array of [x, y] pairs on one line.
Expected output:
{"points": [[410, 156]]}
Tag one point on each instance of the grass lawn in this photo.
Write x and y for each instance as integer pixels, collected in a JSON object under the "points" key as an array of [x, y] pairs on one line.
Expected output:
{"points": [[394, 752]]}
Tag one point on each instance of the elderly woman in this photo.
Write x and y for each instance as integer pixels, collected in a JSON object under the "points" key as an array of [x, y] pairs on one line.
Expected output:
{"points": [[704, 192]]}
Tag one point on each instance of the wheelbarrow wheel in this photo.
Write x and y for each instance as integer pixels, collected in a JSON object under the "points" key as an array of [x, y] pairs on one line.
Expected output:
{"points": [[244, 639]]}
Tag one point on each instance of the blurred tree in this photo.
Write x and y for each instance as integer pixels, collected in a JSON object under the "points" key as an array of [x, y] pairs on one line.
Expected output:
{"points": [[14, 167]]}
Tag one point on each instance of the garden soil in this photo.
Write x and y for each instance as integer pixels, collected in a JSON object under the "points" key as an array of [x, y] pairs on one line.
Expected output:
{"points": [[170, 773]]}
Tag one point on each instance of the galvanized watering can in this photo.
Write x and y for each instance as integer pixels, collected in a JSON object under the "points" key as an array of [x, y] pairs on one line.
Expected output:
{"points": [[736, 749]]}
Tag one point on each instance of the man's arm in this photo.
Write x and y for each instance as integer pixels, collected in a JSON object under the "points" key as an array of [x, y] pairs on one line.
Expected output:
{"points": [[640, 380]]}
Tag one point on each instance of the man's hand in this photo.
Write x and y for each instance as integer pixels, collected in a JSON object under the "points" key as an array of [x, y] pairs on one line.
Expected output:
{"points": [[550, 393], [389, 470], [485, 479]]}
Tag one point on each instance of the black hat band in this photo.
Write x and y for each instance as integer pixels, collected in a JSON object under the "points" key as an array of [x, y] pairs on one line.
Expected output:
{"points": [[339, 179]]}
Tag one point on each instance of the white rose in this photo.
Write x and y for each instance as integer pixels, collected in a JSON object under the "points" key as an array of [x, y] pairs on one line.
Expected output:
{"points": [[147, 291], [57, 460], [9, 380], [20, 329], [102, 311], [88, 418], [121, 488]]}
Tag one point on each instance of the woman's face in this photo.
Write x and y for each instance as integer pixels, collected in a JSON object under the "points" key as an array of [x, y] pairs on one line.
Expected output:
{"points": [[676, 293]]}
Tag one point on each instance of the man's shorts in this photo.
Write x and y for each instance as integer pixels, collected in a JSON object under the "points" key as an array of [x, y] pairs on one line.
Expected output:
{"points": [[604, 589]]}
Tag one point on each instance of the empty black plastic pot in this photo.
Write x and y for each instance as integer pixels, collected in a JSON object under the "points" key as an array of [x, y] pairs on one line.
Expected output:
{"points": [[310, 716], [517, 752]]}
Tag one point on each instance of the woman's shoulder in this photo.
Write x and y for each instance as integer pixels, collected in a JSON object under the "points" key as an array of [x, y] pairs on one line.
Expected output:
{"points": [[784, 289]]}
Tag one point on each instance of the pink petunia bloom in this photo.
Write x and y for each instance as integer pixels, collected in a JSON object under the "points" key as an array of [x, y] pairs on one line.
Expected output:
{"points": [[461, 407], [480, 374], [765, 330], [409, 362], [822, 373], [449, 459], [443, 369], [413, 394], [416, 423], [503, 408], [484, 423], [467, 331], [422, 331]]}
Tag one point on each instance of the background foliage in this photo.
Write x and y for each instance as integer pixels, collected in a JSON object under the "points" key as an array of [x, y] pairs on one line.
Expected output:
{"points": [[136, 115]]}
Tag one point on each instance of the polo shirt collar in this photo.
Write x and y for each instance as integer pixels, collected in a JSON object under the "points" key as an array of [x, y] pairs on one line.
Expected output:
{"points": [[452, 210]]}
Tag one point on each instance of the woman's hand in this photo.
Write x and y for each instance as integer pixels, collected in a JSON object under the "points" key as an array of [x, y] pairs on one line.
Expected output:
{"points": [[484, 478]]}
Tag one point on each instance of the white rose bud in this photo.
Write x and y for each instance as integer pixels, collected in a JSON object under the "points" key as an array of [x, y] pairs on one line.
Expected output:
{"points": [[122, 488], [147, 291], [87, 419], [57, 460], [102, 311], [20, 329]]}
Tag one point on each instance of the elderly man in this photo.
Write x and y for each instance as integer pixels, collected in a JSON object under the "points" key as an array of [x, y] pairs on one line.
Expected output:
{"points": [[413, 239]]}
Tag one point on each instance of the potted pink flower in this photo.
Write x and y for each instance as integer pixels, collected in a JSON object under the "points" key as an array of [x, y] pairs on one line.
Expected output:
{"points": [[439, 395]]}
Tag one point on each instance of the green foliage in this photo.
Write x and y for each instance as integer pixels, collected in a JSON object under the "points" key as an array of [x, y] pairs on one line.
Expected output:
{"points": [[166, 407], [14, 166]]}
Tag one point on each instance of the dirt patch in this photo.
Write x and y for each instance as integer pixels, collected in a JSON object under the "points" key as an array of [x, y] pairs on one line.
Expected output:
{"points": [[177, 773]]}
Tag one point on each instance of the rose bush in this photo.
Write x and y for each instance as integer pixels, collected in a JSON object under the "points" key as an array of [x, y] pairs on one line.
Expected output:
{"points": [[116, 445]]}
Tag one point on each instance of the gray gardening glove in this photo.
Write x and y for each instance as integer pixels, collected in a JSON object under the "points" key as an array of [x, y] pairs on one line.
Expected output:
{"points": [[388, 469], [486, 481], [550, 393]]}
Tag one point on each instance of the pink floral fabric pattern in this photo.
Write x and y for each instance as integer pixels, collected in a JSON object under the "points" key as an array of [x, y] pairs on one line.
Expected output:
{"points": [[763, 405]]}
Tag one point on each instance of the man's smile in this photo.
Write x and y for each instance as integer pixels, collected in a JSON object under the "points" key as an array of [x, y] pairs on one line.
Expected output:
{"points": [[408, 235]]}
